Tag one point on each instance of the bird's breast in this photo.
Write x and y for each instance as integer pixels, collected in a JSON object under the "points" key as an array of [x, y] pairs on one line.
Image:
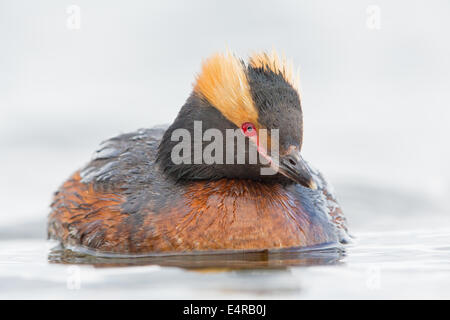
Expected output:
{"points": [[238, 214], [196, 216]]}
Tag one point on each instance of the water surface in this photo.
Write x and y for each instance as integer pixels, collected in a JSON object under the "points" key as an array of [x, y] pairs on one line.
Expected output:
{"points": [[381, 264]]}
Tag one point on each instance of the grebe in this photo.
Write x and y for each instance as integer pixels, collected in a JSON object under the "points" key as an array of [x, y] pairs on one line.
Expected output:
{"points": [[133, 198]]}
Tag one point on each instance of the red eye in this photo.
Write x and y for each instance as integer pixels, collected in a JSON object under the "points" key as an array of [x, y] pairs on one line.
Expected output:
{"points": [[248, 129]]}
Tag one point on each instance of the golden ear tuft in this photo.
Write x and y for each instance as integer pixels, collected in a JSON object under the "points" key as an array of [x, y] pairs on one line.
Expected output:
{"points": [[276, 64], [223, 82]]}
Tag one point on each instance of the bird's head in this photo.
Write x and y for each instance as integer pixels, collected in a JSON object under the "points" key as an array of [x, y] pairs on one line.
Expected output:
{"points": [[259, 102]]}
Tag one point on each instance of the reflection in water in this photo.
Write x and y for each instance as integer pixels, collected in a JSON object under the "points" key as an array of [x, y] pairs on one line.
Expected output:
{"points": [[378, 264], [224, 261]]}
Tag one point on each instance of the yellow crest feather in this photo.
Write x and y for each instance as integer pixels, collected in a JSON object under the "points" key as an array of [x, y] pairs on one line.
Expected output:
{"points": [[278, 65], [223, 82]]}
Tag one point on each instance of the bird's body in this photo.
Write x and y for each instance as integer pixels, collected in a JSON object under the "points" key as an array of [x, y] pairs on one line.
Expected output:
{"points": [[122, 202], [131, 198]]}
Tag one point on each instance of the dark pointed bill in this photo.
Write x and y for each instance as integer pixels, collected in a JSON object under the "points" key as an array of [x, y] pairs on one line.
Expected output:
{"points": [[294, 167]]}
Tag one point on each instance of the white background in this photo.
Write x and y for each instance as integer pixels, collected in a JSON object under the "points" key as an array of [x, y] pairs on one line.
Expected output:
{"points": [[376, 102]]}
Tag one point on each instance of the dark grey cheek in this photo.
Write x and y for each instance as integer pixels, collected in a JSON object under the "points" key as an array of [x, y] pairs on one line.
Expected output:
{"points": [[290, 132]]}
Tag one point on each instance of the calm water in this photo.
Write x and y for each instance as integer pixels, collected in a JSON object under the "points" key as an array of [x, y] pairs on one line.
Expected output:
{"points": [[376, 122], [409, 259], [380, 265]]}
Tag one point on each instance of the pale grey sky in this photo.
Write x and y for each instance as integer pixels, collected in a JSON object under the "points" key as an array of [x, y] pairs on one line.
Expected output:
{"points": [[375, 101]]}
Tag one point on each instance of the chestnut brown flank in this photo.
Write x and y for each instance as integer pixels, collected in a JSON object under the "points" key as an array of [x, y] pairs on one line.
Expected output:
{"points": [[214, 215]]}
